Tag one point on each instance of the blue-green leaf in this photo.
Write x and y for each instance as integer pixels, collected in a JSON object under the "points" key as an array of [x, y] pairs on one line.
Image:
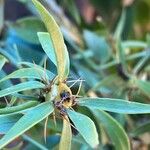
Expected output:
{"points": [[31, 65], [86, 127], [21, 87], [7, 121], [47, 45], [134, 44], [31, 118], [120, 25], [98, 45], [30, 73], [115, 105], [17, 108], [114, 130], [26, 28]]}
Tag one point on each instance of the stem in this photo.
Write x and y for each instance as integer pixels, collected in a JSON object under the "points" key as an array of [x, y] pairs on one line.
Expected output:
{"points": [[40, 146], [114, 62]]}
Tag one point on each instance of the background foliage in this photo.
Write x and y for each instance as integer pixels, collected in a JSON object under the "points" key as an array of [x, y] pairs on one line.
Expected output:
{"points": [[108, 44]]}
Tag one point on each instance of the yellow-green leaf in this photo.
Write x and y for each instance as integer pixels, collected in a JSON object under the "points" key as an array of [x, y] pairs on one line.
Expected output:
{"points": [[62, 57], [65, 142]]}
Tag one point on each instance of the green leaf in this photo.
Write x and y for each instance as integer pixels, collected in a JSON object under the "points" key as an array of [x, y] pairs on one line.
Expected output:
{"points": [[20, 107], [98, 45], [114, 129], [31, 65], [21, 87], [140, 64], [11, 52], [3, 60], [66, 136], [26, 29], [134, 44], [85, 73], [30, 73], [143, 86], [118, 43], [121, 57], [31, 118], [104, 82], [57, 40], [12, 100], [5, 84], [115, 105], [7, 121], [47, 46], [85, 126], [141, 129], [23, 97], [120, 25]]}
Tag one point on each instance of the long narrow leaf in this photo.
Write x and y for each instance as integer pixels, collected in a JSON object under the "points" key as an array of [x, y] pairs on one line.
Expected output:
{"points": [[115, 105], [37, 67], [113, 128], [134, 44], [86, 127], [13, 109], [7, 121], [21, 87], [66, 136], [47, 45], [120, 25], [57, 39], [30, 73], [31, 118]]}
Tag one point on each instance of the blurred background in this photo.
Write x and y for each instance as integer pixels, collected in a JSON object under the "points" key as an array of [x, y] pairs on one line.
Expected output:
{"points": [[108, 43], [91, 13]]}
